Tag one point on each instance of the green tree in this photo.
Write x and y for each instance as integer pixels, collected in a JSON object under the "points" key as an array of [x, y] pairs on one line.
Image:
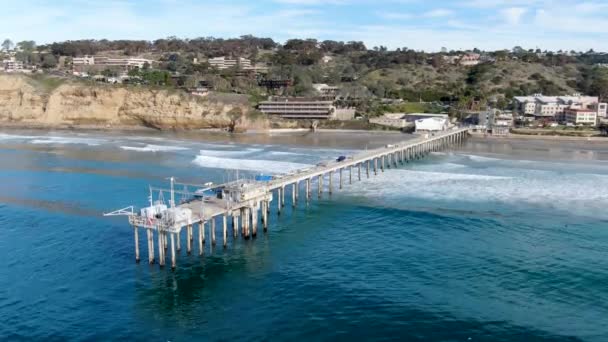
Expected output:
{"points": [[7, 44], [599, 85], [27, 45], [49, 61]]}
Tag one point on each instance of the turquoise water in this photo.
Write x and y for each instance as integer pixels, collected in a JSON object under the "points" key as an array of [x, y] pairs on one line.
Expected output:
{"points": [[494, 241]]}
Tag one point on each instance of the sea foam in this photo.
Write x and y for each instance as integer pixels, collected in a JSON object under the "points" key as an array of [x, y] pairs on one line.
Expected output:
{"points": [[154, 148], [270, 166]]}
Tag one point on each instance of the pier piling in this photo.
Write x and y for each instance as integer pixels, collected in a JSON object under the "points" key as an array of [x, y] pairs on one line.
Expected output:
{"points": [[150, 246], [136, 236]]}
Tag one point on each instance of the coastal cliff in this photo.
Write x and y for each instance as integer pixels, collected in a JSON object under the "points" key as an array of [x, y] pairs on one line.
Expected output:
{"points": [[53, 102]]}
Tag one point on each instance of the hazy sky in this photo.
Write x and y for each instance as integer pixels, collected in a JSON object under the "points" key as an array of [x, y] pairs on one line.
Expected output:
{"points": [[418, 24]]}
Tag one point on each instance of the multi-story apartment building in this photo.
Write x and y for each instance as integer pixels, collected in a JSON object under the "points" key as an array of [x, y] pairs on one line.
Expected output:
{"points": [[242, 64], [470, 59], [298, 108], [222, 63], [128, 63], [554, 107], [581, 116], [12, 65]]}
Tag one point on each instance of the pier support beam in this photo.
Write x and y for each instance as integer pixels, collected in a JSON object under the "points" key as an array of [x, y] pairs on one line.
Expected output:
{"points": [[254, 221], [307, 190], [283, 196], [212, 233], [150, 246], [359, 168], [225, 231], [201, 235], [367, 168], [178, 237], [350, 175], [331, 182], [173, 261], [136, 236], [235, 224], [294, 194], [265, 216], [320, 185], [341, 178], [189, 239], [279, 190], [382, 164], [246, 222], [161, 249], [375, 166]]}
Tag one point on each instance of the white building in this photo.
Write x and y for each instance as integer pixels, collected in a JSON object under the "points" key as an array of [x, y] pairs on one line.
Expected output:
{"points": [[86, 60], [325, 89], [554, 107], [222, 63], [470, 59], [433, 124], [12, 65], [128, 63], [581, 116], [298, 108]]}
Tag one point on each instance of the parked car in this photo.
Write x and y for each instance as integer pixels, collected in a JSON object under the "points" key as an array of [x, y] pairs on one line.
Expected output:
{"points": [[341, 159]]}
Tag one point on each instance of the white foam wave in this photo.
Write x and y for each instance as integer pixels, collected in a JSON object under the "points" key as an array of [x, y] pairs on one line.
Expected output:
{"points": [[575, 193], [4, 136], [223, 153], [270, 166], [56, 140], [283, 153], [154, 148]]}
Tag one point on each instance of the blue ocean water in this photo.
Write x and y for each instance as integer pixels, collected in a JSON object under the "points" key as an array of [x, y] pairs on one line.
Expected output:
{"points": [[494, 241]]}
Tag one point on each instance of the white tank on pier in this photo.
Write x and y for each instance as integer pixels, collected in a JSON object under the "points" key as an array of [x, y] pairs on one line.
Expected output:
{"points": [[153, 211]]}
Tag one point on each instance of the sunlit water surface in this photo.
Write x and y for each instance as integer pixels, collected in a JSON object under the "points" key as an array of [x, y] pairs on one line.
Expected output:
{"points": [[493, 241]]}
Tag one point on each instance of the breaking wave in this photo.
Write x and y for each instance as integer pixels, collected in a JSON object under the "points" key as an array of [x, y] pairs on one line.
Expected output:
{"points": [[271, 166], [154, 148]]}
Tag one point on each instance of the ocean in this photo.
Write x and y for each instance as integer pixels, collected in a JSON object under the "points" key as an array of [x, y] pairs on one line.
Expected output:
{"points": [[492, 241]]}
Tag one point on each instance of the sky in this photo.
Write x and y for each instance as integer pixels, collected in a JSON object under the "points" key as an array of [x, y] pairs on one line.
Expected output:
{"points": [[416, 24]]}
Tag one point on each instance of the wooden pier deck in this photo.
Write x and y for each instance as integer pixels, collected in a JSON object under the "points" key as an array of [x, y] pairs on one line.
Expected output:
{"points": [[249, 201]]}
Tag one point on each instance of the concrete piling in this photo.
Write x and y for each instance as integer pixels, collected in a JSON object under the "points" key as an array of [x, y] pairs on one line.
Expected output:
{"points": [[149, 233], [320, 186], [201, 234], [350, 175], [173, 261], [265, 218], [294, 195], [235, 225], [225, 229], [341, 169], [161, 249], [278, 203], [331, 182], [212, 228], [254, 221], [189, 239], [136, 236], [283, 196]]}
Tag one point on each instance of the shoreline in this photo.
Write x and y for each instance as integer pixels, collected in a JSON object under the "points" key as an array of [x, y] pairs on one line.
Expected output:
{"points": [[286, 131], [523, 137]]}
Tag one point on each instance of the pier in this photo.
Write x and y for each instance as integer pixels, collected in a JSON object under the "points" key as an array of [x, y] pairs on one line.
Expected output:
{"points": [[243, 206]]}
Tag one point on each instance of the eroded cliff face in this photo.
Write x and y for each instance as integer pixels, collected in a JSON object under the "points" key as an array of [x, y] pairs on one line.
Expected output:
{"points": [[25, 101]]}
